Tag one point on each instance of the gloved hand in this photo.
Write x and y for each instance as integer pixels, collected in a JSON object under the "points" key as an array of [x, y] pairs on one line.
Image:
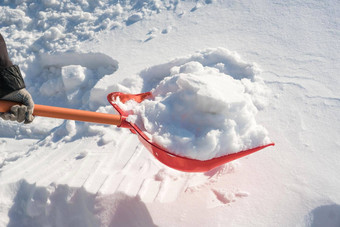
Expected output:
{"points": [[20, 113]]}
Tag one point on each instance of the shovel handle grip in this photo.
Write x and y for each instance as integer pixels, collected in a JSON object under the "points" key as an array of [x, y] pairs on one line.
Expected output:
{"points": [[67, 114]]}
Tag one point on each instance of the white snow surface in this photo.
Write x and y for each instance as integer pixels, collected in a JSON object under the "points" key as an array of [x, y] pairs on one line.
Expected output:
{"points": [[72, 53], [200, 112]]}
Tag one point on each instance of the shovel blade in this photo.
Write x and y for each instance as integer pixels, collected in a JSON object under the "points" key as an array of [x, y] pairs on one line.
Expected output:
{"points": [[163, 155]]}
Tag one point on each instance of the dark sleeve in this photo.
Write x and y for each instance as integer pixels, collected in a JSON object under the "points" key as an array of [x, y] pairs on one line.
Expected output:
{"points": [[10, 80]]}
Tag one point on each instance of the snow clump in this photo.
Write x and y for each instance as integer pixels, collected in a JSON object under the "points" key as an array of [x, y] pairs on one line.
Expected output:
{"points": [[199, 112]]}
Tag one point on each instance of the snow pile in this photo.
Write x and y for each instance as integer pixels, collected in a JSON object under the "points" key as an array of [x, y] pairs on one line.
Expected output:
{"points": [[49, 25], [201, 112]]}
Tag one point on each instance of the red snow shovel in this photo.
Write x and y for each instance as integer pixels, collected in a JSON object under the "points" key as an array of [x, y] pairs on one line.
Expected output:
{"points": [[160, 153]]}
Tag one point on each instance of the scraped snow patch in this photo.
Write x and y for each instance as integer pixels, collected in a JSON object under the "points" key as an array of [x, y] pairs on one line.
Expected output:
{"points": [[200, 112]]}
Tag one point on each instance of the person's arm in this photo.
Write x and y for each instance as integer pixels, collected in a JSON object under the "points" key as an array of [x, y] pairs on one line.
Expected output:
{"points": [[12, 88]]}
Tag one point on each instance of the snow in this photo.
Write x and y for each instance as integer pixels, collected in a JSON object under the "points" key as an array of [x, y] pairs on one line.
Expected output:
{"points": [[198, 111], [60, 173]]}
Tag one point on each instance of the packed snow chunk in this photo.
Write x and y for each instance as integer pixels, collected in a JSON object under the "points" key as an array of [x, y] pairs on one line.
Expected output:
{"points": [[73, 77], [54, 33], [200, 113]]}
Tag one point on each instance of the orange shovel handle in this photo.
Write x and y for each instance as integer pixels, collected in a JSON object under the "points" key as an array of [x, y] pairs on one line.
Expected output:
{"points": [[67, 114]]}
